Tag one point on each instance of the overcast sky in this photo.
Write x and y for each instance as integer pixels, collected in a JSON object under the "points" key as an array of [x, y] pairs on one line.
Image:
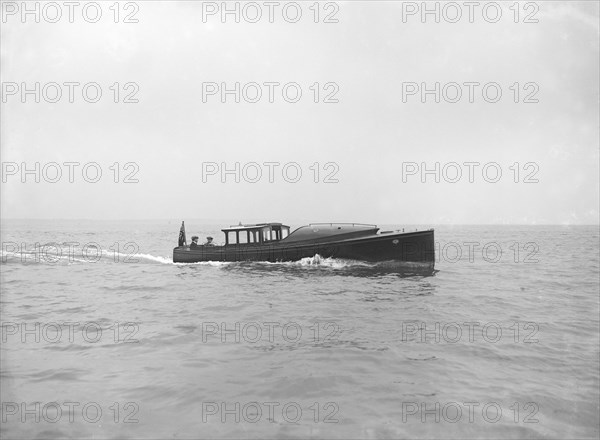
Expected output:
{"points": [[370, 55]]}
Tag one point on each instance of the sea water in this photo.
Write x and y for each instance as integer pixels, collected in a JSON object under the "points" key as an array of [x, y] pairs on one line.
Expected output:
{"points": [[104, 337]]}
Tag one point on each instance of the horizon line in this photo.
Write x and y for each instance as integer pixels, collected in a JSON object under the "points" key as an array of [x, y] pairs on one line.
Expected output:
{"points": [[221, 220]]}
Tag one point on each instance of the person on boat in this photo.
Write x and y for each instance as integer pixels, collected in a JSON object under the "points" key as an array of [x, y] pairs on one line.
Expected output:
{"points": [[209, 241], [194, 243]]}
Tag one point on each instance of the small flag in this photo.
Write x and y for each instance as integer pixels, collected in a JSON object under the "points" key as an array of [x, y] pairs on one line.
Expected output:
{"points": [[182, 240]]}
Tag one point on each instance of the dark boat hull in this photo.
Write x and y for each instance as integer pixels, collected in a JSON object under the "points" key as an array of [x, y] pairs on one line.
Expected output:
{"points": [[402, 249]]}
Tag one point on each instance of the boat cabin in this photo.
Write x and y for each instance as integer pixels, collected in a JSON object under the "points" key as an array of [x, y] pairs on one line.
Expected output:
{"points": [[260, 233]]}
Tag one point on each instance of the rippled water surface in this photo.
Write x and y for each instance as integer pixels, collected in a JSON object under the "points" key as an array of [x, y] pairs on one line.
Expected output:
{"points": [[502, 341]]}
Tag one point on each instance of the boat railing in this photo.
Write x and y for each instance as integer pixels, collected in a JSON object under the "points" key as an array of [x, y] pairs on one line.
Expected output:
{"points": [[353, 224]]}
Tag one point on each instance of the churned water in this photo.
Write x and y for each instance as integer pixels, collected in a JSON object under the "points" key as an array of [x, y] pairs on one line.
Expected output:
{"points": [[104, 337]]}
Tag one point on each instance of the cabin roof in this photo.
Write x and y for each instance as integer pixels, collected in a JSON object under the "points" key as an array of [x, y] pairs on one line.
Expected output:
{"points": [[252, 227]]}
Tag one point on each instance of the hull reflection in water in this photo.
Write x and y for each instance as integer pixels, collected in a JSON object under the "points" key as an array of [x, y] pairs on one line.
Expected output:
{"points": [[326, 267]]}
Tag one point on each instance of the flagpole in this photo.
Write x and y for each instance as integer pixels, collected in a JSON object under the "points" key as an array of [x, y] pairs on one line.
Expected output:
{"points": [[182, 237]]}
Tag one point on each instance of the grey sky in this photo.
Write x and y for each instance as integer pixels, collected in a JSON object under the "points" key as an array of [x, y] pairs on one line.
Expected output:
{"points": [[170, 132]]}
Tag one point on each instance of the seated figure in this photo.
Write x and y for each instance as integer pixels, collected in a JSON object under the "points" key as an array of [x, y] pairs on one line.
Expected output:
{"points": [[209, 241]]}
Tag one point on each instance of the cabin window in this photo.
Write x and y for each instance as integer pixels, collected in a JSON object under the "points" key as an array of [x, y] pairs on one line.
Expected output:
{"points": [[252, 237], [242, 237]]}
